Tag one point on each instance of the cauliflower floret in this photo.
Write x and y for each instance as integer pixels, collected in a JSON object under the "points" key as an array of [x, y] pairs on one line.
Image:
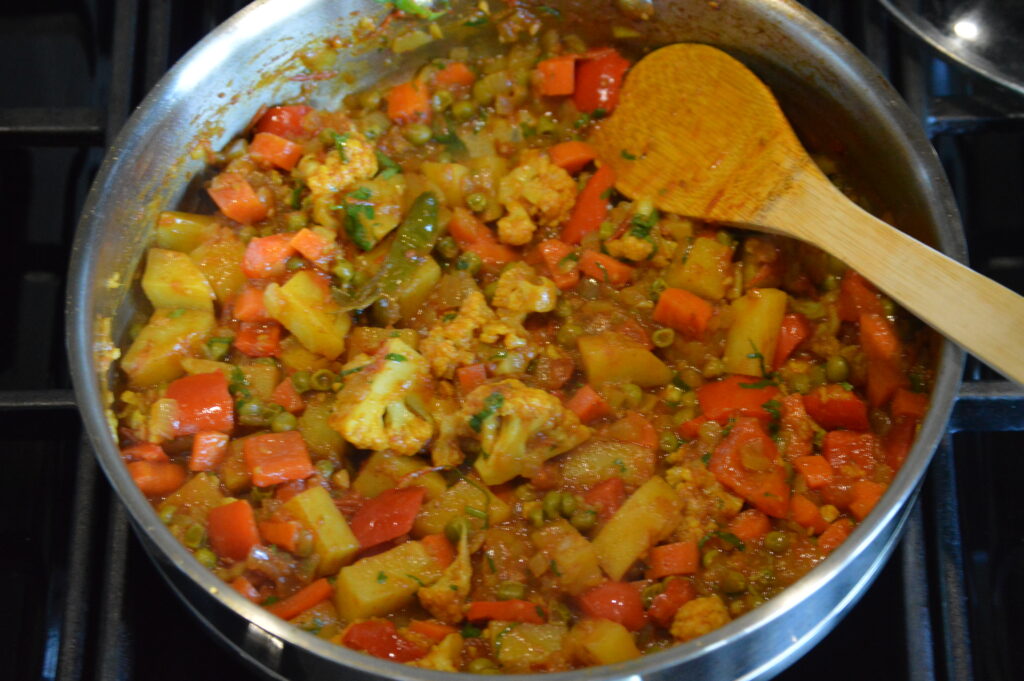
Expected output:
{"points": [[519, 428], [629, 247], [453, 343], [520, 289], [335, 173], [698, 617], [445, 598], [381, 405], [537, 190], [444, 657], [444, 450]]}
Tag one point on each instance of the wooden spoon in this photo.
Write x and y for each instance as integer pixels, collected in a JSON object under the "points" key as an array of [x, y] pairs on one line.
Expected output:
{"points": [[700, 135]]}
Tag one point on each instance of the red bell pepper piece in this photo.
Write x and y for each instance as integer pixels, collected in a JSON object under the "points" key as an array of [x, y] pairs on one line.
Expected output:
{"points": [[591, 207], [747, 462], [288, 397], [857, 296], [232, 530], [897, 442], [845, 447], [599, 80], [616, 601], [387, 516], [380, 638], [795, 427], [209, 449], [750, 525], [736, 396], [273, 150], [557, 75], [408, 102], [794, 331], [287, 121], [248, 306], [259, 340], [833, 406], [563, 272], [665, 605], [277, 457], [605, 268], [435, 631], [204, 403], [608, 495], [474, 236]]}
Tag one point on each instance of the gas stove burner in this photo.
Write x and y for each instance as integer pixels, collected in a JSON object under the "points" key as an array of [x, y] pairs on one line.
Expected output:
{"points": [[983, 35]]}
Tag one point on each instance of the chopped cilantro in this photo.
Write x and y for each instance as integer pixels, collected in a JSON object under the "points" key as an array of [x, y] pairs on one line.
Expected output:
{"points": [[628, 156], [554, 568], [469, 631], [415, 578], [353, 370], [395, 357], [490, 564], [620, 464], [847, 386], [453, 587], [381, 577], [475, 512], [476, 21], [270, 600], [756, 354], [448, 138], [388, 168], [706, 458], [598, 114], [419, 9], [296, 200], [492, 403], [528, 130], [361, 194], [727, 537], [550, 10], [582, 121], [176, 313], [643, 224], [339, 143]]}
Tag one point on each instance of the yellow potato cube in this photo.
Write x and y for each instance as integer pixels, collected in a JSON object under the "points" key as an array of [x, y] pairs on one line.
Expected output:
{"points": [[383, 583], [173, 281]]}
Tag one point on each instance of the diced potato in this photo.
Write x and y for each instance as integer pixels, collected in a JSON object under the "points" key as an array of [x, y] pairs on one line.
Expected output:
{"points": [[297, 358], [333, 541], [647, 517], [383, 583], [444, 656], [704, 269], [304, 306], [522, 645], [322, 441], [596, 460], [383, 470], [233, 472], [750, 342], [173, 281], [455, 501], [262, 378], [364, 340], [383, 201], [321, 620], [170, 335], [183, 231], [601, 641], [576, 559], [612, 358], [196, 497], [450, 178], [193, 366], [220, 260]]}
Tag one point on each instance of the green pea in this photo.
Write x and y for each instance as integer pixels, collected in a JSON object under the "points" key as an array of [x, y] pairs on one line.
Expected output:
{"points": [[606, 230], [837, 369], [325, 467], [633, 393], [322, 380], [511, 591], [251, 413], [734, 582], [481, 665], [546, 126], [294, 263], [800, 383], [441, 100], [710, 558], [167, 513], [284, 422], [490, 290], [559, 613], [525, 492], [469, 262], [305, 544], [689, 398], [463, 110], [584, 519], [888, 307], [194, 537], [206, 558], [563, 308], [658, 286], [568, 333], [300, 381], [569, 505], [536, 515], [456, 527], [662, 338], [725, 238], [447, 248], [552, 505], [218, 348], [811, 309], [673, 394], [343, 270], [668, 442], [776, 541], [418, 133], [369, 99], [650, 591], [831, 282], [477, 202]]}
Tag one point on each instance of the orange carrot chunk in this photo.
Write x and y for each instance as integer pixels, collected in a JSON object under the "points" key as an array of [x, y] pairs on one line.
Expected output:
{"points": [[473, 235], [572, 156], [906, 404], [248, 306], [683, 311], [635, 428], [269, 149], [607, 496], [435, 631], [857, 296], [302, 600], [833, 406], [380, 638], [843, 448], [283, 533], [605, 268], [408, 103], [288, 397], [245, 587], [817, 471], [835, 535], [747, 462], [259, 339], [506, 611], [616, 601], [439, 548], [236, 198], [277, 457], [267, 256], [144, 451], [557, 256], [157, 478], [287, 121], [471, 376], [680, 558], [455, 73], [737, 395], [750, 525], [557, 75], [588, 405], [806, 513], [387, 516], [865, 495]]}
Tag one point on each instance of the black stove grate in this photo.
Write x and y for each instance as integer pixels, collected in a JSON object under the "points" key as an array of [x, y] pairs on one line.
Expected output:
{"points": [[86, 605]]}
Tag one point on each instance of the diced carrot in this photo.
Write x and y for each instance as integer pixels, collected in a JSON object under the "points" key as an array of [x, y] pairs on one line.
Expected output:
{"points": [[591, 207], [794, 331], [607, 496], [746, 461], [387, 516], [157, 478], [236, 198], [817, 471], [144, 451], [690, 430], [267, 256], [588, 405], [455, 73], [572, 156], [736, 395], [303, 599], [599, 79], [634, 428], [750, 525], [605, 268], [473, 235], [272, 150], [833, 406], [835, 535], [315, 247], [556, 256], [878, 338], [288, 397], [204, 403], [506, 611], [805, 512], [245, 587], [683, 311], [435, 631], [287, 490], [616, 601], [857, 296], [380, 638], [439, 548], [845, 447], [884, 379], [865, 495], [259, 340], [287, 121], [557, 75], [548, 476], [634, 331], [232, 530], [795, 427], [277, 457], [283, 533], [906, 404], [680, 558], [209, 449], [471, 376], [665, 605], [897, 442], [248, 306], [408, 103]]}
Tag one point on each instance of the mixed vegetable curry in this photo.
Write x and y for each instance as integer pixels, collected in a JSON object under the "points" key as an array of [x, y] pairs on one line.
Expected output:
{"points": [[425, 386]]}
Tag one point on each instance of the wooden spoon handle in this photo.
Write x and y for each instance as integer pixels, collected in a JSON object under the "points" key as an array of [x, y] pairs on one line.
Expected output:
{"points": [[983, 317]]}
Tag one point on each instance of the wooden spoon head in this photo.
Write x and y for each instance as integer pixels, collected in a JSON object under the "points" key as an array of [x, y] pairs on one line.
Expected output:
{"points": [[699, 134]]}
